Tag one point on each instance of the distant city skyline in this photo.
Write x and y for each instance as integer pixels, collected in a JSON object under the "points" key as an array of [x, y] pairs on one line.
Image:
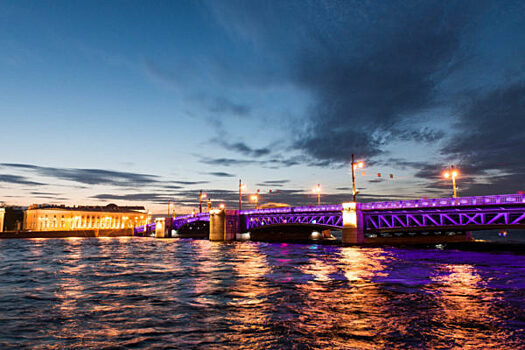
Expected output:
{"points": [[142, 103]]}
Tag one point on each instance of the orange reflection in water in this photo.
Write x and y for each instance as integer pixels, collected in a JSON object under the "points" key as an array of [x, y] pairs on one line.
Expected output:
{"points": [[466, 310], [336, 300], [248, 302]]}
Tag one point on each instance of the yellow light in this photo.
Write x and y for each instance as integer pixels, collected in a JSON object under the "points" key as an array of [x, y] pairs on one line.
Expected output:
{"points": [[446, 174], [253, 198], [454, 173], [349, 206], [243, 187], [203, 195], [221, 206], [360, 164]]}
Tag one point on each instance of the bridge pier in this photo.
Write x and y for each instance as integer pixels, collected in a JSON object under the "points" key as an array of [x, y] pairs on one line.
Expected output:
{"points": [[160, 228], [224, 225], [352, 232]]}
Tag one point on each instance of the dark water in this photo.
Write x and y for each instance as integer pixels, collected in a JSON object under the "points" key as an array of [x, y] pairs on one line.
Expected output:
{"points": [[148, 293]]}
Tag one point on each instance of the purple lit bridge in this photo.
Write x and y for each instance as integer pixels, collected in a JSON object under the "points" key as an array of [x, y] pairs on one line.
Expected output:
{"points": [[438, 220]]}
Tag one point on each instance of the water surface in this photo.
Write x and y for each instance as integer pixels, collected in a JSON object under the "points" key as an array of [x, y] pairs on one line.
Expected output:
{"points": [[151, 293]]}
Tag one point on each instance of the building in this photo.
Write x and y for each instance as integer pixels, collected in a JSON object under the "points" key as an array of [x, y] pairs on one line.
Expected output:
{"points": [[13, 218], [62, 218], [2, 214]]}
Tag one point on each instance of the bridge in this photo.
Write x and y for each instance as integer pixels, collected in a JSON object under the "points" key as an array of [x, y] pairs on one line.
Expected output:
{"points": [[440, 220]]}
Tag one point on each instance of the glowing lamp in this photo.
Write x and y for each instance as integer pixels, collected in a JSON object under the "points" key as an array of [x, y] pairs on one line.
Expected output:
{"points": [[221, 206], [446, 174]]}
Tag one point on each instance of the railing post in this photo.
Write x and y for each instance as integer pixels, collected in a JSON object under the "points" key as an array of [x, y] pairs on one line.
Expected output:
{"points": [[352, 224]]}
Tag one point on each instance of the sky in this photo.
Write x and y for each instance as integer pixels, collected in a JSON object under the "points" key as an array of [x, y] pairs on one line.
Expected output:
{"points": [[147, 102]]}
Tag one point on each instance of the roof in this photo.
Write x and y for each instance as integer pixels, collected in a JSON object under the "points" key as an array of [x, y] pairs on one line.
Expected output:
{"points": [[108, 208]]}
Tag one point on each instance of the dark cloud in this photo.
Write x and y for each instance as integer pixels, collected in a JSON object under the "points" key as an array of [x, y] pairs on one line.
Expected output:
{"points": [[17, 180], [36, 193], [227, 161], [220, 174], [273, 183], [135, 197], [273, 163], [363, 101], [489, 144], [371, 70], [377, 180], [89, 176], [189, 183], [171, 187], [243, 148]]}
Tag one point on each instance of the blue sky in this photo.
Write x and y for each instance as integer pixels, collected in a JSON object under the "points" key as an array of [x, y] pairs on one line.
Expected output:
{"points": [[138, 102]]}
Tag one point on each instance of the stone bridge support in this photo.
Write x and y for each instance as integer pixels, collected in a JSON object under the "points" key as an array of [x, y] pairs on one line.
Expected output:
{"points": [[224, 225], [160, 228], [353, 232]]}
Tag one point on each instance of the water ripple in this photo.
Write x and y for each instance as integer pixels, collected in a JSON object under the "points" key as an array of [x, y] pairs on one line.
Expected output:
{"points": [[146, 293]]}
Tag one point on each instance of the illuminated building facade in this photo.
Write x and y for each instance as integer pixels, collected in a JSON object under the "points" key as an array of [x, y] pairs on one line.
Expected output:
{"points": [[62, 218]]}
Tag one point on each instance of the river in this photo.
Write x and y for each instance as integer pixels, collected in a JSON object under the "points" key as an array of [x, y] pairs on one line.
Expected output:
{"points": [[87, 293]]}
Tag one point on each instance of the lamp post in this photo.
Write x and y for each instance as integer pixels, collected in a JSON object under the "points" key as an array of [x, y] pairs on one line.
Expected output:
{"points": [[201, 196], [317, 190], [453, 173], [354, 167], [241, 187]]}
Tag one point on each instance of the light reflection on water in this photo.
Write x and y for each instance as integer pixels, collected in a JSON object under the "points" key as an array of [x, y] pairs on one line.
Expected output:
{"points": [[151, 293]]}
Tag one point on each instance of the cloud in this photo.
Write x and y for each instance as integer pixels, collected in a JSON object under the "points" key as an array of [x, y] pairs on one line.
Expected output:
{"points": [[189, 182], [243, 148], [489, 143], [220, 174], [273, 183], [17, 180], [89, 176], [364, 101], [135, 197], [369, 70], [36, 193], [227, 161]]}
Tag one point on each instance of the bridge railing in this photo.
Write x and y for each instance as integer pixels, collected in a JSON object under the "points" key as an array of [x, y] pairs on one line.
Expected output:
{"points": [[446, 202]]}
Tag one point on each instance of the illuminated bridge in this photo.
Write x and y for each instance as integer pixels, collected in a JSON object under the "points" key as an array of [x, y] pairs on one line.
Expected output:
{"points": [[438, 220]]}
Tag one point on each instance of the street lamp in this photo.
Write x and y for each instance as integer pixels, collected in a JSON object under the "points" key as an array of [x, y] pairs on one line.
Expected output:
{"points": [[201, 196], [317, 190], [241, 187], [452, 173], [170, 206], [354, 167], [255, 198]]}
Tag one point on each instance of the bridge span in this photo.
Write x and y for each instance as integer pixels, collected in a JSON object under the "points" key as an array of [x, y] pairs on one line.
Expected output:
{"points": [[439, 220]]}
